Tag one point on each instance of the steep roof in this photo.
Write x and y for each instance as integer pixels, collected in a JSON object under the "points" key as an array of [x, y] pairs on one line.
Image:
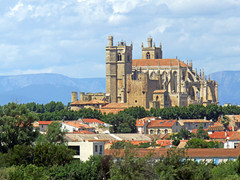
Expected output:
{"points": [[158, 62], [161, 123]]}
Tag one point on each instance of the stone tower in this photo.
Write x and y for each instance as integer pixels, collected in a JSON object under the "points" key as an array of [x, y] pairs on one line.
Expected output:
{"points": [[151, 52], [118, 65]]}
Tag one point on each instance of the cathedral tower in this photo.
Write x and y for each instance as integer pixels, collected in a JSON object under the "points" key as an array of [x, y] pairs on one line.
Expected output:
{"points": [[151, 52], [118, 65]]}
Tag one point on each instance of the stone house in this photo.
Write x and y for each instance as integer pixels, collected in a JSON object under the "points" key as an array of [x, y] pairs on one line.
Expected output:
{"points": [[43, 125], [191, 124], [163, 126]]}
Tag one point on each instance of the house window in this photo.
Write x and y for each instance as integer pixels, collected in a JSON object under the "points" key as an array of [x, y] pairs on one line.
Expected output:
{"points": [[216, 161], [96, 148], [166, 131], [159, 132], [151, 131], [100, 149], [235, 145], [197, 160], [76, 149]]}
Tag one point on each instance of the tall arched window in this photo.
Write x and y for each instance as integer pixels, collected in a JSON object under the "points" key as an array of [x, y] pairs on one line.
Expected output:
{"points": [[174, 82], [148, 55], [119, 57]]}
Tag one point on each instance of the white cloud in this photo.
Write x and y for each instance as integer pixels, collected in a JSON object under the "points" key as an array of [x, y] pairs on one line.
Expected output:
{"points": [[64, 36]]}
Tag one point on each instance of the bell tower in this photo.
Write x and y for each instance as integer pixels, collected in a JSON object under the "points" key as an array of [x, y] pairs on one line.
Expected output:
{"points": [[118, 65], [151, 51]]}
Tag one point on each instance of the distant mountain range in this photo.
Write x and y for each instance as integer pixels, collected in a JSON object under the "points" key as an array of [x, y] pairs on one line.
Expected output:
{"points": [[229, 86], [43, 88]]}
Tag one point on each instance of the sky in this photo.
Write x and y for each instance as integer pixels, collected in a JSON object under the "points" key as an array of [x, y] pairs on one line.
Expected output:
{"points": [[69, 36]]}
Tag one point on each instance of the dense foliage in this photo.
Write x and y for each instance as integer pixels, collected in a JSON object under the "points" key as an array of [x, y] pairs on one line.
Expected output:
{"points": [[16, 126], [25, 156]]}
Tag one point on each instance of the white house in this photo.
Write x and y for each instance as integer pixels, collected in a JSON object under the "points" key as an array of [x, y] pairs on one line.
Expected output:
{"points": [[83, 150], [233, 141], [71, 126]]}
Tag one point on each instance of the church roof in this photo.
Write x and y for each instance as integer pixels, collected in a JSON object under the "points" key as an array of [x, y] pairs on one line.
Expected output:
{"points": [[158, 62]]}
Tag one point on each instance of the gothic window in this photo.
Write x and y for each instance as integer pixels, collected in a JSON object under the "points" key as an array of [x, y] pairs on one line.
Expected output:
{"points": [[119, 57], [175, 82], [148, 55]]}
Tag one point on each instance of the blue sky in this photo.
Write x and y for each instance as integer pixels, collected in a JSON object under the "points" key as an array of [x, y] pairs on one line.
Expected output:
{"points": [[69, 36]]}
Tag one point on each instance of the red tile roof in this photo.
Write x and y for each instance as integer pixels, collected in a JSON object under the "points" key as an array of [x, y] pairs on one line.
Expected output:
{"points": [[164, 142], [162, 123], [113, 108], [192, 153], [142, 121], [77, 124], [92, 121], [220, 135], [44, 122], [235, 136], [156, 62], [116, 106]]}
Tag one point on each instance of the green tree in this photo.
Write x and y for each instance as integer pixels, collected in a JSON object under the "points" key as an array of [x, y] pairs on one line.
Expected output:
{"points": [[52, 154], [54, 133], [128, 166], [16, 126], [201, 133], [136, 112], [184, 134], [123, 123], [21, 155], [197, 143]]}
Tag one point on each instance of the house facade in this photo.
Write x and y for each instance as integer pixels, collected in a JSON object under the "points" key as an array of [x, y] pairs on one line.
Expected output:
{"points": [[83, 150], [163, 126]]}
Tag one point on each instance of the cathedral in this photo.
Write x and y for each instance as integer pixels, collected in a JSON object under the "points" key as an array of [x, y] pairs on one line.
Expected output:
{"points": [[153, 81]]}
